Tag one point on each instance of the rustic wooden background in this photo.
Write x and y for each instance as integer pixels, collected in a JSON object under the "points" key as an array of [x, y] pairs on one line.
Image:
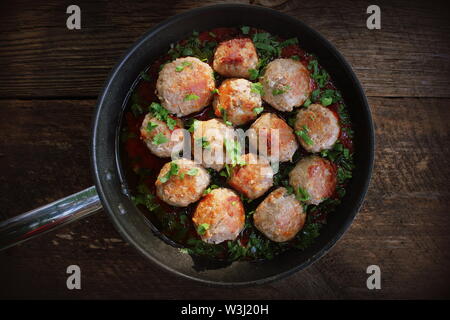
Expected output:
{"points": [[49, 81]]}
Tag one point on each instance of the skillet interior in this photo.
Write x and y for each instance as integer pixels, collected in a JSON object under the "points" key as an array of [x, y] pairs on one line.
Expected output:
{"points": [[111, 187]]}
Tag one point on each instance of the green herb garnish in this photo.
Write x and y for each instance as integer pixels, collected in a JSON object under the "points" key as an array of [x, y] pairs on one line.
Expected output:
{"points": [[151, 126], [302, 195], [202, 228], [181, 67], [281, 90], [257, 88], [191, 96], [173, 171], [192, 172], [160, 138], [253, 73], [258, 110], [245, 29], [303, 133]]}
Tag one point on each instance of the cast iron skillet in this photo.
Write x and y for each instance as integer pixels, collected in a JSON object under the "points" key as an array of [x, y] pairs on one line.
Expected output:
{"points": [[109, 178]]}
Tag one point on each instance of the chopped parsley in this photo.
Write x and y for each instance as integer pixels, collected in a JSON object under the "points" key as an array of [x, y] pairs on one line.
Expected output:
{"points": [[326, 101], [289, 42], [223, 112], [191, 96], [307, 103], [194, 125], [203, 142], [210, 188], [192, 172], [257, 88], [253, 73], [258, 110], [160, 113], [320, 75], [183, 65], [278, 91], [151, 126], [202, 228], [245, 29], [160, 138], [194, 47], [302, 195], [171, 123], [145, 198], [303, 133], [233, 150], [173, 171]]}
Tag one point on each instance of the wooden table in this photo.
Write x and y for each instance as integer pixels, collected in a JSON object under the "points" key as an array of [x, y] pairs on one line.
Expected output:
{"points": [[49, 81]]}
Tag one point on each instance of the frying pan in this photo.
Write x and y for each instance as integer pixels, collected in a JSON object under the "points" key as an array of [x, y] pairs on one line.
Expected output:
{"points": [[111, 193]]}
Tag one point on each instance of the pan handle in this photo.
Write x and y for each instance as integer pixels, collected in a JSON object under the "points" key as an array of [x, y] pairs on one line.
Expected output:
{"points": [[49, 217]]}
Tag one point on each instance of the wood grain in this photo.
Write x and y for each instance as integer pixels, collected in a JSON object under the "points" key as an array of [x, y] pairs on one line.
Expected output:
{"points": [[402, 226], [408, 57]]}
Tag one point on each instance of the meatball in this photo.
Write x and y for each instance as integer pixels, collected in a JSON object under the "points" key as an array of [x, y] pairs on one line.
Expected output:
{"points": [[233, 58], [280, 216], [277, 134], [159, 138], [320, 125], [219, 216], [208, 142], [236, 101], [286, 84], [181, 182], [315, 179], [185, 86], [253, 178]]}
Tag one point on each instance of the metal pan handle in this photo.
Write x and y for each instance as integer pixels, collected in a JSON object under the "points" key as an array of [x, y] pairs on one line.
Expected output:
{"points": [[49, 217]]}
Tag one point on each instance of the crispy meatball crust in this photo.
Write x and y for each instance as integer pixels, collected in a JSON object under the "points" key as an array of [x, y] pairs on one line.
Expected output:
{"points": [[223, 211], [174, 137], [322, 126], [233, 58], [280, 216], [237, 100], [252, 179], [286, 83], [212, 133], [316, 176], [187, 89], [284, 137], [182, 189]]}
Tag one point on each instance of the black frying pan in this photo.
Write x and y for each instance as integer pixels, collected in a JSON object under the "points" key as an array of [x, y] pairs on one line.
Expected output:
{"points": [[109, 176]]}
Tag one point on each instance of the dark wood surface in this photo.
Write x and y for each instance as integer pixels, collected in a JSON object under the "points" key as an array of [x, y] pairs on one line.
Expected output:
{"points": [[49, 81]]}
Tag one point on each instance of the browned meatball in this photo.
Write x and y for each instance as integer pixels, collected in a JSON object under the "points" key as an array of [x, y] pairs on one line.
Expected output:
{"points": [[219, 216], [233, 58], [320, 125], [252, 179], [159, 138], [280, 216], [276, 132], [208, 143], [185, 85], [181, 182], [286, 83], [316, 178], [237, 101]]}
